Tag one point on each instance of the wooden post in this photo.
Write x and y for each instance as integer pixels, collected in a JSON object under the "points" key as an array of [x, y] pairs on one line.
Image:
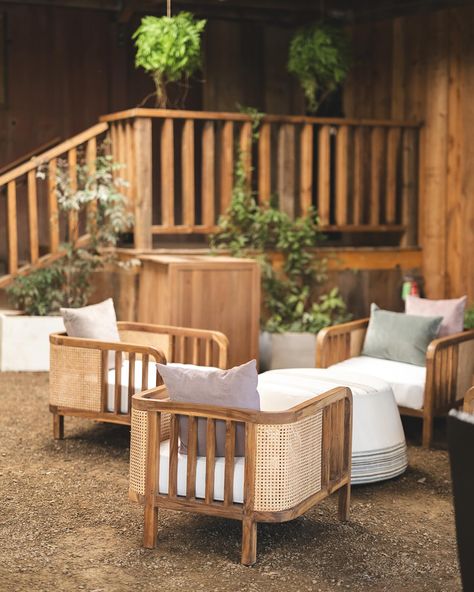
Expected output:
{"points": [[187, 172], [286, 169], [208, 172], [226, 165], [342, 142], [33, 217], [306, 171], [324, 156], [264, 171], [12, 231], [409, 205], [143, 195], [167, 173]]}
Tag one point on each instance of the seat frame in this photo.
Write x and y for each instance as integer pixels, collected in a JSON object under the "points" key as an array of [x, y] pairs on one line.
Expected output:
{"points": [[449, 368], [273, 440], [79, 367]]}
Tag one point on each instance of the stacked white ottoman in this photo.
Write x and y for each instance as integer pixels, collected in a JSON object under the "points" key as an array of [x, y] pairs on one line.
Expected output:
{"points": [[379, 449]]}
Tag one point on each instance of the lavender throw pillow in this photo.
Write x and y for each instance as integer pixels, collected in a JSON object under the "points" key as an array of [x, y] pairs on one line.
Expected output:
{"points": [[236, 387], [452, 312]]}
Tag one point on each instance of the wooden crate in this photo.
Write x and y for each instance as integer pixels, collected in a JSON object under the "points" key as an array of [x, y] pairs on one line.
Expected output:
{"points": [[205, 292]]}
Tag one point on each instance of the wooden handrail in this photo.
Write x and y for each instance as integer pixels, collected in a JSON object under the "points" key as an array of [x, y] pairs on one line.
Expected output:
{"points": [[31, 154], [242, 117], [73, 142]]}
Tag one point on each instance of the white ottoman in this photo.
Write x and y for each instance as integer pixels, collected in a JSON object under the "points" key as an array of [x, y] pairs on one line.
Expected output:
{"points": [[378, 442]]}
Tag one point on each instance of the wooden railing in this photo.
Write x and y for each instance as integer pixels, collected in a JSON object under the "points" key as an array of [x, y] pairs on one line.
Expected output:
{"points": [[360, 175], [34, 228]]}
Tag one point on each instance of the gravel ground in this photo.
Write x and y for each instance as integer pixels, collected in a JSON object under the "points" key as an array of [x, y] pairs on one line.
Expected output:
{"points": [[66, 523]]}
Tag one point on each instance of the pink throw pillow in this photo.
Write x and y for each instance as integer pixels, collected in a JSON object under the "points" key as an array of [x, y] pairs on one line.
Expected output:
{"points": [[452, 312]]}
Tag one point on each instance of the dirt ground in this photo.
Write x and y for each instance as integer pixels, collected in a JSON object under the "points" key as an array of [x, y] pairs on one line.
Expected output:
{"points": [[66, 522]]}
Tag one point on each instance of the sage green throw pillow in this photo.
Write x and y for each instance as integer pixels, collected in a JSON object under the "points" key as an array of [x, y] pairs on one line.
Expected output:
{"points": [[399, 337]]}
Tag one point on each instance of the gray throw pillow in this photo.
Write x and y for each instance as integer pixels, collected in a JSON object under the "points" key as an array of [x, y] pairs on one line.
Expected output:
{"points": [[399, 337], [236, 387], [97, 321]]}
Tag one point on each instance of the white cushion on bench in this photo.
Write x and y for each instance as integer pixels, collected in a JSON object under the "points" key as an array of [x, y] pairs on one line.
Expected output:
{"points": [[239, 464], [124, 383], [407, 380]]}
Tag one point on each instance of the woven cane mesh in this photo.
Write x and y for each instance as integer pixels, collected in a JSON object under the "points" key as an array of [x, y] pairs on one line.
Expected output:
{"points": [[75, 377], [288, 463], [138, 445]]}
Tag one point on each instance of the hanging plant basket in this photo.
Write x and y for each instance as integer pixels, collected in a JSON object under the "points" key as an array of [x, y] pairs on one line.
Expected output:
{"points": [[169, 49]]}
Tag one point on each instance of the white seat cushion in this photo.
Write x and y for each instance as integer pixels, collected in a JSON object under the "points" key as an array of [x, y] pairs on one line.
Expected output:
{"points": [[239, 463], [407, 380], [124, 384]]}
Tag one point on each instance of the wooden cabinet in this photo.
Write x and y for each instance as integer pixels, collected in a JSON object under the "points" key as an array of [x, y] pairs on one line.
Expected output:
{"points": [[205, 292]]}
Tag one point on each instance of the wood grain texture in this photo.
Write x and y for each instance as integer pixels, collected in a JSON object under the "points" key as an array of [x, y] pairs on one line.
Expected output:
{"points": [[188, 173], [208, 175]]}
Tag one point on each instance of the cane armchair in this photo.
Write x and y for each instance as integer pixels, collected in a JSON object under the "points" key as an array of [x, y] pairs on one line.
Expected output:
{"points": [[293, 459], [449, 368], [469, 401], [83, 384]]}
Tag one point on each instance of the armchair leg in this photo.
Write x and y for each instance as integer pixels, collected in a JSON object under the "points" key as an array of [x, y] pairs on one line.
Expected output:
{"points": [[344, 503], [249, 542], [427, 433], [58, 426], [150, 531]]}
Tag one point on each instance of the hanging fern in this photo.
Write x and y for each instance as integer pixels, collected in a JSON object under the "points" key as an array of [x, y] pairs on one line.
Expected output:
{"points": [[320, 58], [169, 49]]}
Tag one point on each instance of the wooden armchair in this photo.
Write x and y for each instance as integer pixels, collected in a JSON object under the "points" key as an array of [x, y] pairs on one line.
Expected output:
{"points": [[293, 459], [469, 401], [449, 367], [81, 383]]}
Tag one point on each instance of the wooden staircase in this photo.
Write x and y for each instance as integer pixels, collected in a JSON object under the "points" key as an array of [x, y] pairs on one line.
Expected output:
{"points": [[361, 175]]}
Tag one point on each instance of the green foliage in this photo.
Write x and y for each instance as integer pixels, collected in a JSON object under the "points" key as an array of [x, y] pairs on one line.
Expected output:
{"points": [[256, 117], [67, 281], [248, 229], [469, 318], [319, 57], [169, 49]]}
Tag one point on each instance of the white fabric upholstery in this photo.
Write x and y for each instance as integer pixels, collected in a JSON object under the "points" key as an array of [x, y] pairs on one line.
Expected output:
{"points": [[124, 384], [239, 464], [407, 380]]}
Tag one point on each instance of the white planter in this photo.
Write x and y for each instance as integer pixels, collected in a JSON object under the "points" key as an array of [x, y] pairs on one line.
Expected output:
{"points": [[24, 341], [287, 350]]}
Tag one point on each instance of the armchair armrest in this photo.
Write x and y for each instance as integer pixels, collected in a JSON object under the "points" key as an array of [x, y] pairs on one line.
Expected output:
{"points": [[79, 371], [184, 345], [449, 371], [469, 401], [340, 342]]}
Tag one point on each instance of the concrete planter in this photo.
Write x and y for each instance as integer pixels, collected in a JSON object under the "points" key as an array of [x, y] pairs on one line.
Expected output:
{"points": [[24, 341], [287, 350]]}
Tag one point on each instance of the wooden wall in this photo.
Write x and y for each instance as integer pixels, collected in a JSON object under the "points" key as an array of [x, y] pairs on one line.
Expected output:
{"points": [[64, 68], [422, 67], [245, 62], [67, 66]]}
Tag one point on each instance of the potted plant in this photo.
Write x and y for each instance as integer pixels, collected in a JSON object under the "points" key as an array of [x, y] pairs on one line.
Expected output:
{"points": [[319, 57], [24, 337], [169, 49], [294, 309]]}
